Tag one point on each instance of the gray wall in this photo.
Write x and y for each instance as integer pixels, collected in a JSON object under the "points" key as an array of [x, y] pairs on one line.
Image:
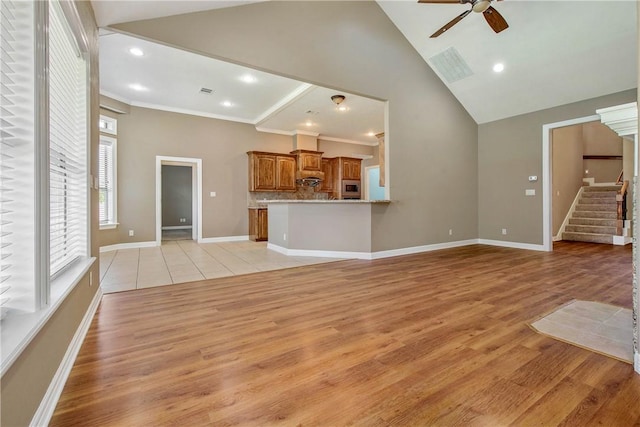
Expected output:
{"points": [[144, 134], [566, 150], [177, 195], [26, 381], [509, 151], [432, 141]]}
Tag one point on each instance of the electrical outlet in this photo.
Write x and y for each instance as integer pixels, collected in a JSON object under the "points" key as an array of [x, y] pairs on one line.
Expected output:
{"points": [[284, 237], [504, 231], [451, 232], [130, 233]]}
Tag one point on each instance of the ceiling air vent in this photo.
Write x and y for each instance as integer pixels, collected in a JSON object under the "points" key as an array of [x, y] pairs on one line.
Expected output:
{"points": [[450, 65], [206, 91]]}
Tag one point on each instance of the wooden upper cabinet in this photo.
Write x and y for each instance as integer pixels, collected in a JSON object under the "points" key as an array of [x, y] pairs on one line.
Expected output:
{"points": [[350, 168], [285, 173], [262, 172], [271, 172], [308, 160], [328, 168]]}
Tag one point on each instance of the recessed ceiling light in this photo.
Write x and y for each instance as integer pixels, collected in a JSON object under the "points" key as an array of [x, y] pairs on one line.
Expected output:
{"points": [[138, 87], [371, 134], [227, 104], [136, 51], [342, 108], [499, 67], [248, 78], [309, 123]]}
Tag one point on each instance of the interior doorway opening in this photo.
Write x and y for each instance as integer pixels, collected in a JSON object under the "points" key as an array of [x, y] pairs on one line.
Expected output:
{"points": [[178, 199]]}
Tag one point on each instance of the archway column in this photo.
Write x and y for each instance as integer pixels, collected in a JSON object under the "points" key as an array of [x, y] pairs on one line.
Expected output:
{"points": [[623, 119]]}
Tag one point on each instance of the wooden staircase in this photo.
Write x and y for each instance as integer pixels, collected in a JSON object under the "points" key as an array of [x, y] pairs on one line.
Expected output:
{"points": [[596, 217]]}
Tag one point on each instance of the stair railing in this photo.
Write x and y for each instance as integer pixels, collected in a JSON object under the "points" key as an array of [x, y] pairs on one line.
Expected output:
{"points": [[621, 199], [619, 179]]}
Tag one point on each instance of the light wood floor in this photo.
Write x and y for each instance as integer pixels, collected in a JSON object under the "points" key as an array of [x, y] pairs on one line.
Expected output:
{"points": [[432, 339]]}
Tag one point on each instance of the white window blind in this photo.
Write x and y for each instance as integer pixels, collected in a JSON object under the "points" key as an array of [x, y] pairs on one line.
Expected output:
{"points": [[17, 156], [67, 145], [106, 180]]}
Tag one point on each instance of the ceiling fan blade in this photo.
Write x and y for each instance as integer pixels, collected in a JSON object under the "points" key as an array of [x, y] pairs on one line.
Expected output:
{"points": [[495, 20], [450, 24], [440, 1]]}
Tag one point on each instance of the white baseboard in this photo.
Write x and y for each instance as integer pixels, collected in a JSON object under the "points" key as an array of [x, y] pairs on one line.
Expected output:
{"points": [[636, 362], [621, 240], [132, 245], [515, 245], [50, 400], [223, 239], [319, 253], [423, 248], [177, 227]]}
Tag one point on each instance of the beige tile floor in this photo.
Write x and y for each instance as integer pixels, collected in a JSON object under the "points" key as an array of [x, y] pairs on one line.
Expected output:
{"points": [[599, 327], [186, 261]]}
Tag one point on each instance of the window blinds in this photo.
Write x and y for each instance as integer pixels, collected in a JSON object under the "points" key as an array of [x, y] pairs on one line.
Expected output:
{"points": [[105, 178], [17, 156], [67, 145]]}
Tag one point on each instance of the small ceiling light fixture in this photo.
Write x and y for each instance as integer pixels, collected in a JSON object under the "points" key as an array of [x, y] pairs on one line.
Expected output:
{"points": [[248, 78], [309, 123], [499, 67], [227, 104], [371, 134], [339, 99], [138, 87], [136, 51]]}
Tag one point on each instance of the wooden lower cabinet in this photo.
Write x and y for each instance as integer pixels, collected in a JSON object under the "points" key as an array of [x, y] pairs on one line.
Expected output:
{"points": [[258, 224]]}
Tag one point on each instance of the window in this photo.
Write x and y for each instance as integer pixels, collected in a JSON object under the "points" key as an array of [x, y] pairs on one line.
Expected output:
{"points": [[44, 192], [68, 182], [107, 182]]}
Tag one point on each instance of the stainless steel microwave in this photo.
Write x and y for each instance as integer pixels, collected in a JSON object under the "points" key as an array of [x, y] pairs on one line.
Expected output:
{"points": [[350, 189]]}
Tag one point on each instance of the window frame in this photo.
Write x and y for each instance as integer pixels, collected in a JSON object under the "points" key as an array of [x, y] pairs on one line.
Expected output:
{"points": [[113, 208]]}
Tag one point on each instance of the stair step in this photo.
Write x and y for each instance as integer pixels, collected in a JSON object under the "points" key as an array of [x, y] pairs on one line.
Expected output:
{"points": [[602, 222], [602, 188], [592, 229], [598, 201], [596, 207], [595, 214], [588, 237], [599, 194]]}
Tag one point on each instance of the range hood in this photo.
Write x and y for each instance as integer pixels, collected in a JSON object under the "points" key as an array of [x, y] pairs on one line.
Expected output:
{"points": [[309, 178]]}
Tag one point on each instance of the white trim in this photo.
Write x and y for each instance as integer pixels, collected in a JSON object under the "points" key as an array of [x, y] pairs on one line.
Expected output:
{"points": [[287, 100], [318, 253], [177, 227], [423, 248], [223, 239], [347, 141], [132, 245], [27, 326], [109, 226], [402, 251], [305, 132], [547, 213], [621, 240], [274, 131], [50, 400], [572, 208], [190, 112], [196, 166], [636, 361], [623, 119], [115, 97], [514, 245]]}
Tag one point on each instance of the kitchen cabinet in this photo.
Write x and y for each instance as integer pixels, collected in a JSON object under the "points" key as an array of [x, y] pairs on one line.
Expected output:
{"points": [[328, 167], [350, 168], [258, 224], [308, 160], [271, 172]]}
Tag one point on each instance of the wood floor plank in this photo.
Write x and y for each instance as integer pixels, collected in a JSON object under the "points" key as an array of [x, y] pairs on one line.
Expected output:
{"points": [[438, 338]]}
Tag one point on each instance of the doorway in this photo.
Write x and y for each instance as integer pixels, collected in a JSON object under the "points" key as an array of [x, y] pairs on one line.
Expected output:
{"points": [[178, 199], [372, 189]]}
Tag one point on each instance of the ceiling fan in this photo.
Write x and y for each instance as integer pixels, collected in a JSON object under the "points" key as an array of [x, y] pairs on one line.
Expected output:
{"points": [[494, 19]]}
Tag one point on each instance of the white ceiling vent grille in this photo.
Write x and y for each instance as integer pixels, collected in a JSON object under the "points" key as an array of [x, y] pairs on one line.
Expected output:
{"points": [[450, 65], [206, 91]]}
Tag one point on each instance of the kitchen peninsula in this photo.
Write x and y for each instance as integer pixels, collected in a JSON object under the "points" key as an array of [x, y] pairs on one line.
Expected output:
{"points": [[331, 228]]}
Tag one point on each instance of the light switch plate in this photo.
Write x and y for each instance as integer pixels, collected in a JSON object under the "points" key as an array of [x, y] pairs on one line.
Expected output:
{"points": [[212, 194], [533, 178], [530, 192]]}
